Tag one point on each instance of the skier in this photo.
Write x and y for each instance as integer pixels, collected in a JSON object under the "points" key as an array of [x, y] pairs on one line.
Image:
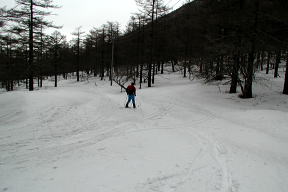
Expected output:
{"points": [[131, 93]]}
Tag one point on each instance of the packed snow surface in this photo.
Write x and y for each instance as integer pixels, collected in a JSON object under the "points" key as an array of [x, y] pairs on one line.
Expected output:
{"points": [[184, 136]]}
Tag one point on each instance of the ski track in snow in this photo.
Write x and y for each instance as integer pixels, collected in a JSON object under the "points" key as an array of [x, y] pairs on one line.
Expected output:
{"points": [[87, 120]]}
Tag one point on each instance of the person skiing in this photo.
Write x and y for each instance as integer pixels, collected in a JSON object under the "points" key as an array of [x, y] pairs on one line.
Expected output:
{"points": [[131, 93]]}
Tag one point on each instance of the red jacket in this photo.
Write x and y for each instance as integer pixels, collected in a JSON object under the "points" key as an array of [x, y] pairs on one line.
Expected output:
{"points": [[131, 90]]}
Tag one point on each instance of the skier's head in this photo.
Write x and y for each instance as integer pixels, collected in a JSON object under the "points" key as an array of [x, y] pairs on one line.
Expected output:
{"points": [[132, 83]]}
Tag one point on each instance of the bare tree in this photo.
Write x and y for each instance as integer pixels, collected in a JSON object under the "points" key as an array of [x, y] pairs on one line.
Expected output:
{"points": [[78, 39], [93, 38], [150, 8], [29, 16], [56, 39]]}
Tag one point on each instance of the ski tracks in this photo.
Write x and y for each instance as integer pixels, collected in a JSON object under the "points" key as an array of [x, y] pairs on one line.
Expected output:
{"points": [[96, 122], [220, 155], [214, 147], [213, 151], [160, 112], [207, 171]]}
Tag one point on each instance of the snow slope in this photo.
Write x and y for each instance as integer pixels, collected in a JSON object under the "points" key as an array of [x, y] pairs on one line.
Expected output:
{"points": [[183, 137]]}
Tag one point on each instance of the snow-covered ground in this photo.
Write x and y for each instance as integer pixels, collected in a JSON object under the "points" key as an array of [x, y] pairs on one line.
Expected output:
{"points": [[184, 136]]}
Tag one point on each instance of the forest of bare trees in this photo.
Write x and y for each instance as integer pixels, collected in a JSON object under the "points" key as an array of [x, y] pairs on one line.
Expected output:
{"points": [[215, 40]]}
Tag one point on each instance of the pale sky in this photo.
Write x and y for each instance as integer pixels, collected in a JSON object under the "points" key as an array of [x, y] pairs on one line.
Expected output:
{"points": [[92, 13]]}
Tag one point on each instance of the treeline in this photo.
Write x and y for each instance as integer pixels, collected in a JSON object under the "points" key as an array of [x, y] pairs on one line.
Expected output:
{"points": [[213, 39]]}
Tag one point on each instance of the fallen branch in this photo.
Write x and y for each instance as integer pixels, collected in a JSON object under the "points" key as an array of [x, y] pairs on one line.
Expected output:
{"points": [[120, 84]]}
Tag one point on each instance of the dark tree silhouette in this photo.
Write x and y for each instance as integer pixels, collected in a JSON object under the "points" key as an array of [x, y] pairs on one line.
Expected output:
{"points": [[56, 39], [78, 39], [29, 16]]}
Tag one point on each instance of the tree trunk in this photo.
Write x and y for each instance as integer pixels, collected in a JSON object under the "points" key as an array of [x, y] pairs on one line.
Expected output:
{"points": [[285, 90], [149, 74], [78, 58], [258, 60], [185, 71], [268, 62], [278, 58], [102, 61], [200, 67], [141, 75], [137, 71], [162, 67], [96, 58], [234, 80], [41, 58], [55, 71], [7, 85], [173, 65], [12, 85], [55, 80], [262, 60], [156, 67], [112, 63], [247, 92], [189, 68], [219, 68], [153, 74], [55, 65], [30, 68], [152, 46]]}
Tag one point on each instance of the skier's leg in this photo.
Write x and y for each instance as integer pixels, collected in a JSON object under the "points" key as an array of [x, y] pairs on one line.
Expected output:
{"points": [[133, 101], [129, 99]]}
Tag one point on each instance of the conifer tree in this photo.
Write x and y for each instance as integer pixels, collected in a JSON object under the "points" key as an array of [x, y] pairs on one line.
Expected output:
{"points": [[29, 17]]}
